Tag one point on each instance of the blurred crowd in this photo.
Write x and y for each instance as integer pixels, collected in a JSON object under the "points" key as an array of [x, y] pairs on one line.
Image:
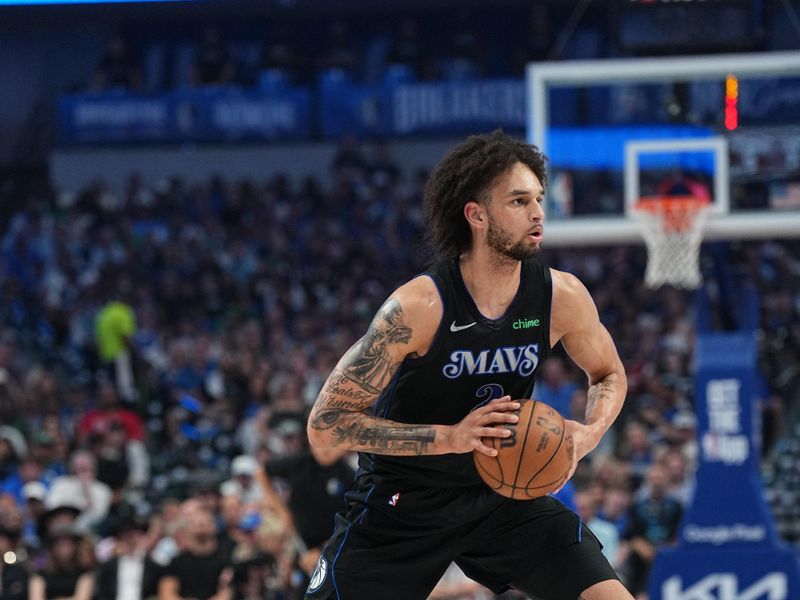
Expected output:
{"points": [[348, 49], [160, 348]]}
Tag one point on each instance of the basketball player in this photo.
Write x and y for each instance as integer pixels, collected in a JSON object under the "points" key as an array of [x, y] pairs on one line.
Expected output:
{"points": [[436, 372]]}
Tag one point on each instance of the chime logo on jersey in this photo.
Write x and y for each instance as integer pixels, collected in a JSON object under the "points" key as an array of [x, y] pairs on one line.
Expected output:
{"points": [[509, 359]]}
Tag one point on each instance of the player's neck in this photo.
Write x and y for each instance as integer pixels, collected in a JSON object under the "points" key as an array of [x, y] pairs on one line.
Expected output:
{"points": [[491, 283]]}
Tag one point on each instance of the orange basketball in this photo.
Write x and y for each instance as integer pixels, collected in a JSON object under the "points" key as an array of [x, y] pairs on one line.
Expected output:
{"points": [[535, 460]]}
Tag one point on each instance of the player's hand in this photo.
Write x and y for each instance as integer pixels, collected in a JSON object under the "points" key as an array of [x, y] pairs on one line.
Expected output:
{"points": [[584, 440], [485, 421]]}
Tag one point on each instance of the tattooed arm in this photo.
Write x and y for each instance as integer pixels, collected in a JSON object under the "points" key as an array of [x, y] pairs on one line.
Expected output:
{"points": [[404, 326], [575, 322]]}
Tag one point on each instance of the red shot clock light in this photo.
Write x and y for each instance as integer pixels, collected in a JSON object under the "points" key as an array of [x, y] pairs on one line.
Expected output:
{"points": [[731, 101]]}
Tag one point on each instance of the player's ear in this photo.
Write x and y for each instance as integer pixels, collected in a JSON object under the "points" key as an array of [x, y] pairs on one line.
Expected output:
{"points": [[474, 212]]}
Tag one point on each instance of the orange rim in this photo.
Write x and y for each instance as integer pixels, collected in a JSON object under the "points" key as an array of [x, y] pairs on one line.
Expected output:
{"points": [[677, 213]]}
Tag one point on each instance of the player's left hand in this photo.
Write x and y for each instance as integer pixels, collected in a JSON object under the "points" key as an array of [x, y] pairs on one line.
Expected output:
{"points": [[584, 440]]}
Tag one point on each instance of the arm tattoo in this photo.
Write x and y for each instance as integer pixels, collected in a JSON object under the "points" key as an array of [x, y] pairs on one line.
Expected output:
{"points": [[371, 434], [372, 368], [600, 391], [356, 384]]}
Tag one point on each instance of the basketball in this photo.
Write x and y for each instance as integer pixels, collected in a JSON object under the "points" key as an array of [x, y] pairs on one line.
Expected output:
{"points": [[534, 460]]}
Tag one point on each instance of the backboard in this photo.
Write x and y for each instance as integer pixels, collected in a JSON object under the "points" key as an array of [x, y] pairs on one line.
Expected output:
{"points": [[725, 125]]}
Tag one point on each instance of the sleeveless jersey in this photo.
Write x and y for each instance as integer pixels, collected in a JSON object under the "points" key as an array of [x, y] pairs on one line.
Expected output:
{"points": [[471, 361]]}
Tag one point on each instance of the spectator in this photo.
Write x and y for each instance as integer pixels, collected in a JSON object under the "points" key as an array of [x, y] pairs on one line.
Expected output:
{"points": [[615, 507], [587, 502], [279, 57], [121, 463], [118, 68], [406, 48], [131, 574], [317, 481], [10, 383], [383, 169], [684, 424], [253, 575], [56, 517], [12, 449], [82, 490], [636, 450], [783, 486], [340, 54], [288, 435], [538, 38], [13, 575], [462, 56], [33, 494], [65, 574], [349, 161], [200, 571], [115, 327], [29, 471], [112, 464], [265, 528], [554, 386], [170, 522], [680, 484], [207, 498], [46, 453], [241, 484], [254, 430], [654, 522], [213, 64], [108, 411], [231, 514]]}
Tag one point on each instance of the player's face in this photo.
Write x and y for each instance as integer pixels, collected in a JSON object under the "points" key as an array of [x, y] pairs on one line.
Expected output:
{"points": [[515, 214]]}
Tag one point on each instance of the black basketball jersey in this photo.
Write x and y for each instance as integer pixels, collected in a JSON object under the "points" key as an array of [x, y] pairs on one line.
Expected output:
{"points": [[471, 361]]}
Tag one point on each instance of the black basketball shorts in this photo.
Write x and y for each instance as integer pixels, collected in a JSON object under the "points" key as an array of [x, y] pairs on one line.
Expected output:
{"points": [[393, 545]]}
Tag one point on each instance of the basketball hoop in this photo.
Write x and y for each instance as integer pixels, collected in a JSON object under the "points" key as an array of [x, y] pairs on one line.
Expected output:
{"points": [[672, 227]]}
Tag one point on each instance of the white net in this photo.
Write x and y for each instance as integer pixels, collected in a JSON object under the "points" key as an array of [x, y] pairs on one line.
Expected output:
{"points": [[672, 230]]}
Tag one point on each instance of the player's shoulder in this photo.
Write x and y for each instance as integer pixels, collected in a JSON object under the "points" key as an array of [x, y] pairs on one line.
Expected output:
{"points": [[419, 297], [417, 307], [419, 293], [571, 299], [566, 283]]}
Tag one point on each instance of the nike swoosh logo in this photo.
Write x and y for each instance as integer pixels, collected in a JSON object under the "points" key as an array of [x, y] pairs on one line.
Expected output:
{"points": [[454, 327]]}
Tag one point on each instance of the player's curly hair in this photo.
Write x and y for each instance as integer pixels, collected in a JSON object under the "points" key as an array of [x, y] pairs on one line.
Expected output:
{"points": [[465, 174]]}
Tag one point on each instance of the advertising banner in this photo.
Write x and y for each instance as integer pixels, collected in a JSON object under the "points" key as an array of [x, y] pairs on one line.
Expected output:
{"points": [[728, 548], [213, 115]]}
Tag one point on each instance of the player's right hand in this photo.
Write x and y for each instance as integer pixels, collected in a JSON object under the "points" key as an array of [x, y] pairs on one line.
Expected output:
{"points": [[485, 421]]}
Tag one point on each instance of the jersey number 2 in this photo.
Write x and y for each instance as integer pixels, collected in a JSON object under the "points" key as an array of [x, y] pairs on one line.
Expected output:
{"points": [[488, 392]]}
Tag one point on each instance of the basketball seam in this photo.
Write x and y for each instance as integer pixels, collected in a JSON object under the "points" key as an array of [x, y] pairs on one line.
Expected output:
{"points": [[536, 487], [479, 458], [489, 475], [495, 444], [552, 456], [522, 448]]}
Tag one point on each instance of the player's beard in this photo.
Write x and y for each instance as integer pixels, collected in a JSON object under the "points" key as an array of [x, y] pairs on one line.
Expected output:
{"points": [[501, 243]]}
